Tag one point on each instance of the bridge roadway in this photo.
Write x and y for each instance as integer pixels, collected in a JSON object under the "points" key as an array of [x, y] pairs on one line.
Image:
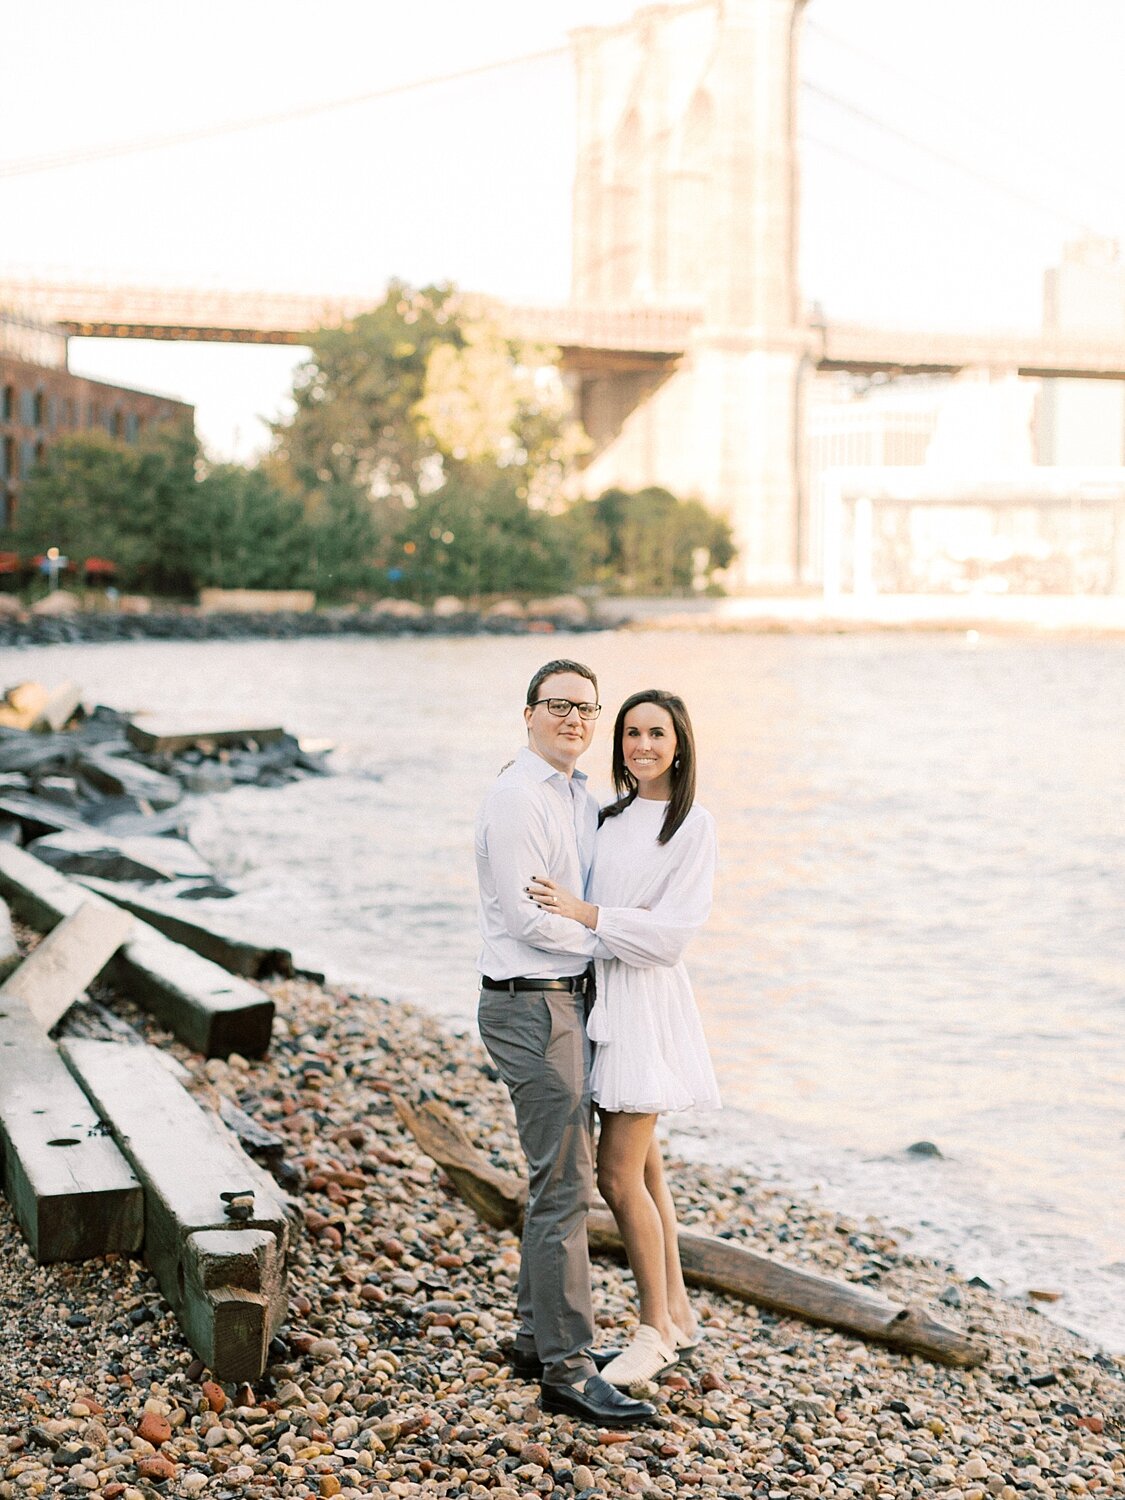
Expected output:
{"points": [[590, 338]]}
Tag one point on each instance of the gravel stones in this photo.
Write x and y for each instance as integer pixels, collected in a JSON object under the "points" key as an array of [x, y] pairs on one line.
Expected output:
{"points": [[389, 1380]]}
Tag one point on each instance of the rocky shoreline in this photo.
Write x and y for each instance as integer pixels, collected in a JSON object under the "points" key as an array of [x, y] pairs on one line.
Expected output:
{"points": [[29, 629], [390, 1379]]}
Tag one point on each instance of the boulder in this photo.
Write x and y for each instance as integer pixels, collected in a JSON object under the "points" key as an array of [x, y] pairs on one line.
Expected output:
{"points": [[447, 606], [568, 608], [398, 609], [115, 776], [57, 605], [35, 754], [93, 852], [60, 789]]}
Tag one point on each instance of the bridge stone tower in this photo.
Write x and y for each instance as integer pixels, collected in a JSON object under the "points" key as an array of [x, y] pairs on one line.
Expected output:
{"points": [[686, 197]]}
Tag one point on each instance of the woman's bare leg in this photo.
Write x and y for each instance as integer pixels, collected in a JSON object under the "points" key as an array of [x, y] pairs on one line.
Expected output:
{"points": [[679, 1308], [623, 1147]]}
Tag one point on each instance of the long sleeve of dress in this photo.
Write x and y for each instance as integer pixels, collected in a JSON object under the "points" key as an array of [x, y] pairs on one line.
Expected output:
{"points": [[659, 936]]}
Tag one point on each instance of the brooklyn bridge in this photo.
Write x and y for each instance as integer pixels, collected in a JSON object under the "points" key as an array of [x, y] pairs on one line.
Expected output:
{"points": [[687, 342]]}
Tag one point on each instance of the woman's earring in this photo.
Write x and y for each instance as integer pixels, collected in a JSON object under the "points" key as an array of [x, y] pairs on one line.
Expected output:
{"points": [[676, 764]]}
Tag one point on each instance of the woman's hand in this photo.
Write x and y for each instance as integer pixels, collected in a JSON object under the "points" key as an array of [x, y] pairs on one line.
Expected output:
{"points": [[553, 897]]}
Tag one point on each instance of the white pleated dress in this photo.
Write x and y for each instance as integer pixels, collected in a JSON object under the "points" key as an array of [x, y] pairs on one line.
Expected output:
{"points": [[650, 1052]]}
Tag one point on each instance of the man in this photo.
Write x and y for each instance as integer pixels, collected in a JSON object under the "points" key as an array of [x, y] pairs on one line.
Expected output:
{"points": [[540, 819]]}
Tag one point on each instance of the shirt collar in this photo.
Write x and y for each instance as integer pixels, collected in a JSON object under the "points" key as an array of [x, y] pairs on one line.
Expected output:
{"points": [[542, 770]]}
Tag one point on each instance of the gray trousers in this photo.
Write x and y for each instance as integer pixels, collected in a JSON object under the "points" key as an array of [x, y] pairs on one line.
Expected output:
{"points": [[537, 1039]]}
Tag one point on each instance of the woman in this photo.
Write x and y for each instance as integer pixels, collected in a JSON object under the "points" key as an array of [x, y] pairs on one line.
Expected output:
{"points": [[649, 892]]}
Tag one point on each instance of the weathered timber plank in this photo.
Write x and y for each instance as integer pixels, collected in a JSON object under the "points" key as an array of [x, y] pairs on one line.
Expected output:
{"points": [[170, 737], [232, 1279], [73, 1193], [214, 1012], [722, 1265], [225, 1281], [75, 952], [233, 954]]}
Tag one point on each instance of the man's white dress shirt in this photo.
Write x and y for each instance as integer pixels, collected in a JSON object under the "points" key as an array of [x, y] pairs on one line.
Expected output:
{"points": [[534, 821]]}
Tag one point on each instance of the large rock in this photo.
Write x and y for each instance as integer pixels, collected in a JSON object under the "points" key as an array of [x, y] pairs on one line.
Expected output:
{"points": [[568, 609], [35, 754], [115, 776], [94, 852], [447, 606], [398, 609], [56, 605]]}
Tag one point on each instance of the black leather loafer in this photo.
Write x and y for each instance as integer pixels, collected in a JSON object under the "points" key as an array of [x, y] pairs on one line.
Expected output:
{"points": [[599, 1402], [530, 1366]]}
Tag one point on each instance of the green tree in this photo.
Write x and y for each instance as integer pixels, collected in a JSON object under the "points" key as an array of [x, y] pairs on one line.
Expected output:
{"points": [[648, 541], [241, 532], [355, 421], [345, 538], [170, 523], [94, 496], [425, 412], [478, 536]]}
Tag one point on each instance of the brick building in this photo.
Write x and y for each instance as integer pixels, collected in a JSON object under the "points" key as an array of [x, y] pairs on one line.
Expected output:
{"points": [[41, 401]]}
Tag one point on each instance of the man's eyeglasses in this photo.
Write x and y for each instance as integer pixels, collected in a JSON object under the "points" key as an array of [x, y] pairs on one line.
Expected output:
{"points": [[560, 707]]}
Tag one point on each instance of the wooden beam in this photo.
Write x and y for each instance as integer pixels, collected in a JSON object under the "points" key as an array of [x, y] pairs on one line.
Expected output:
{"points": [[722, 1265], [73, 954], [172, 737], [73, 1193], [224, 1278], [233, 954], [214, 1012]]}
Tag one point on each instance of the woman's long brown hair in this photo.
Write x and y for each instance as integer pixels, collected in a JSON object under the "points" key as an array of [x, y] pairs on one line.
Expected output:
{"points": [[683, 765]]}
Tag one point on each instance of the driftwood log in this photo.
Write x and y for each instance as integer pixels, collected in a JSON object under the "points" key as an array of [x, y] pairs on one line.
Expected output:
{"points": [[721, 1265]]}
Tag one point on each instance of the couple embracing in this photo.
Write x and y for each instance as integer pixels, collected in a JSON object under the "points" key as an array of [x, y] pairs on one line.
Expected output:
{"points": [[585, 915]]}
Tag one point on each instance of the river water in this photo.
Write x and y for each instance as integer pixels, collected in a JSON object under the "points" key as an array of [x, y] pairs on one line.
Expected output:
{"points": [[919, 929]]}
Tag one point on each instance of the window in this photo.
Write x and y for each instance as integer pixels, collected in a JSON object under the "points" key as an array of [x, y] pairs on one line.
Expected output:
{"points": [[7, 458], [7, 403], [27, 457], [132, 427], [38, 409]]}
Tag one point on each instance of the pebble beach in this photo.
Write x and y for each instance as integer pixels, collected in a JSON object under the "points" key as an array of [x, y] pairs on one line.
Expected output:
{"points": [[389, 1377]]}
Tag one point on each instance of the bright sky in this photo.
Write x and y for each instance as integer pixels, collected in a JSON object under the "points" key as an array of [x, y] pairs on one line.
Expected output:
{"points": [[948, 152]]}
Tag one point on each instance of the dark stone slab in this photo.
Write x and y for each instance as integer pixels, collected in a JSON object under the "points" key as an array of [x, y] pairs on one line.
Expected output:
{"points": [[94, 852], [115, 776], [40, 754]]}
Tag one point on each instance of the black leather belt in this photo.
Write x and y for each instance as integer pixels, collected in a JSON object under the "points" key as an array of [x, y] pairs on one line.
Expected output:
{"points": [[575, 983]]}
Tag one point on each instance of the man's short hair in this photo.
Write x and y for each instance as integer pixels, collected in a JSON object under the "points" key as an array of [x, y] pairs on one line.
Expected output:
{"points": [[559, 666]]}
